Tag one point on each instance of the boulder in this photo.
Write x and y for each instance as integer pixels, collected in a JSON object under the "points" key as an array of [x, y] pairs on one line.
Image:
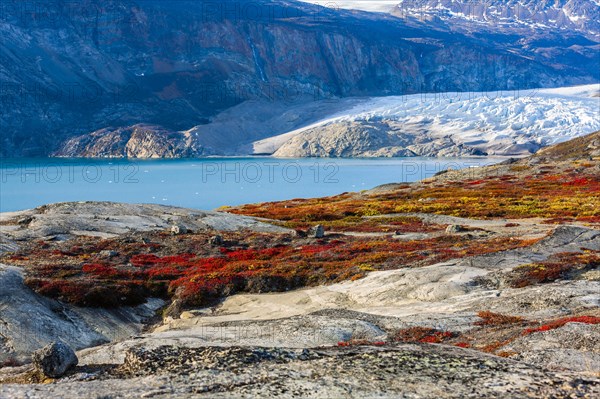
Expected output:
{"points": [[178, 229], [453, 229], [55, 360], [215, 241], [317, 231]]}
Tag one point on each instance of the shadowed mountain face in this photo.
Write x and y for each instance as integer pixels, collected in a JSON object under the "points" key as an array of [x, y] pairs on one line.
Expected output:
{"points": [[568, 16], [68, 68], [553, 32]]}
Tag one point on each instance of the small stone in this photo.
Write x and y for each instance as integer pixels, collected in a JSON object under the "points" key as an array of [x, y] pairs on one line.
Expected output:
{"points": [[55, 360], [317, 231], [187, 315], [453, 229], [299, 233], [108, 253], [178, 229], [215, 241], [173, 310]]}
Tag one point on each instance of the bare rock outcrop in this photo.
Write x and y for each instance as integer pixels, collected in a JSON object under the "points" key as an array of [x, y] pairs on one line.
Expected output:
{"points": [[108, 219], [370, 139], [137, 141], [29, 321]]}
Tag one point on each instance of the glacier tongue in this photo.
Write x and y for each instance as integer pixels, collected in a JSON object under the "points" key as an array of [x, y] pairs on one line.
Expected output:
{"points": [[493, 122]]}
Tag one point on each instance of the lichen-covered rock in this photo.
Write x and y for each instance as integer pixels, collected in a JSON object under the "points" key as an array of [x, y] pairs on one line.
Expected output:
{"points": [[55, 360], [419, 371]]}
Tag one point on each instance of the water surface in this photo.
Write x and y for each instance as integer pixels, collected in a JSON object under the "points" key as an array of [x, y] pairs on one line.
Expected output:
{"points": [[204, 183]]}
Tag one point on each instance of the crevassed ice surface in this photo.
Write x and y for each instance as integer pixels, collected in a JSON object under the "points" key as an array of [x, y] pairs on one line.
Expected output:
{"points": [[544, 116]]}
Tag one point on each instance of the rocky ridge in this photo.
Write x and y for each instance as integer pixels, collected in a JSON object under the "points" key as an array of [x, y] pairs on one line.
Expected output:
{"points": [[81, 327]]}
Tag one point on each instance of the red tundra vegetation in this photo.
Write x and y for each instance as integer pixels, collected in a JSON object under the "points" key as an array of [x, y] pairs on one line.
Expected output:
{"points": [[423, 335], [557, 267], [513, 195], [496, 319], [491, 335], [561, 322], [251, 262]]}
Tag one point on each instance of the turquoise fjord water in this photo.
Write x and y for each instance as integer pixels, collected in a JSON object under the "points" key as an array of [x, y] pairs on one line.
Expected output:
{"points": [[205, 183]]}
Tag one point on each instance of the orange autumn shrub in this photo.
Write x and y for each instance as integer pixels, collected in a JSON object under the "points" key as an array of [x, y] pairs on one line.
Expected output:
{"points": [[496, 319], [561, 322]]}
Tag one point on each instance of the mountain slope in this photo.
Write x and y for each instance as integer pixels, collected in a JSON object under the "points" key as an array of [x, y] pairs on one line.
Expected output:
{"points": [[71, 68], [566, 16], [582, 16], [565, 32], [581, 148]]}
